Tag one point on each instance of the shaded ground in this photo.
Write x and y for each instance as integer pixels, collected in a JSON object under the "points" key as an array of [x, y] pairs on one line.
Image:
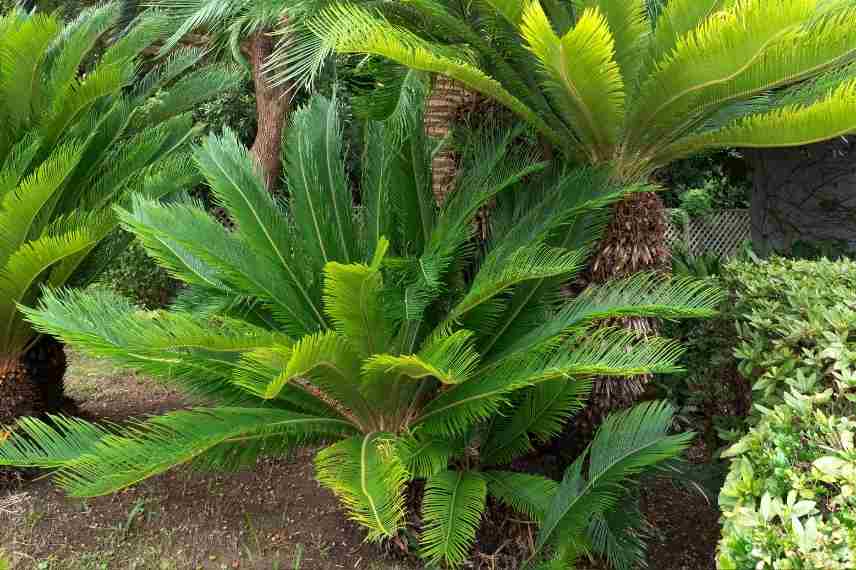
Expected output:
{"points": [[275, 517]]}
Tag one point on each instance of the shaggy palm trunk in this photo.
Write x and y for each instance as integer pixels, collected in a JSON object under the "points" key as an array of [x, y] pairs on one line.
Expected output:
{"points": [[442, 107], [635, 241], [33, 384], [272, 108]]}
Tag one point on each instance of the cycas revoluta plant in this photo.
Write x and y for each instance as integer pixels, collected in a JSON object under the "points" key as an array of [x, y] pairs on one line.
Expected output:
{"points": [[380, 330], [629, 84], [77, 135]]}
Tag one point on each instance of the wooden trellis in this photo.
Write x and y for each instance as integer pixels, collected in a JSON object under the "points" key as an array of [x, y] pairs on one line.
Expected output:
{"points": [[720, 232]]}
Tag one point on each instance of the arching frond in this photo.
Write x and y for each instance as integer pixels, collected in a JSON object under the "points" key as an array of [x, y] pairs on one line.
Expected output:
{"points": [[451, 511], [531, 495], [366, 473], [100, 462]]}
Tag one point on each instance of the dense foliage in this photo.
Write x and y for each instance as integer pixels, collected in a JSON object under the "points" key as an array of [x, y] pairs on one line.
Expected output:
{"points": [[382, 331], [789, 501], [136, 276], [636, 84], [78, 135]]}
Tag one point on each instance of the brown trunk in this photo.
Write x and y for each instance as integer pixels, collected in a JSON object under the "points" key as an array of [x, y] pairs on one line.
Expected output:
{"points": [[442, 107], [272, 108], [34, 384], [635, 241]]}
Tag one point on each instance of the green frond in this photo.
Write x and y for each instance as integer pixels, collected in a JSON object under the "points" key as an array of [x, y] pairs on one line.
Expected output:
{"points": [[353, 301], [451, 513], [183, 350], [642, 295], [193, 89], [792, 125], [99, 464], [626, 444], [366, 473], [425, 456], [346, 28], [677, 19], [232, 176], [511, 10], [582, 76], [630, 29], [501, 272], [531, 495], [539, 415], [717, 52], [320, 197]]}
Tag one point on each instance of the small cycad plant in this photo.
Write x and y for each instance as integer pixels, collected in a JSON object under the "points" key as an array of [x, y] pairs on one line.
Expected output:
{"points": [[380, 332]]}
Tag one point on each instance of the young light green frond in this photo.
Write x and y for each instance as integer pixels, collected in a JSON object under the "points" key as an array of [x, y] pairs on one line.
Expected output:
{"points": [[676, 20], [143, 449], [179, 348], [630, 29], [367, 474], [531, 495], [353, 300], [451, 513], [627, 444], [539, 415], [501, 272], [715, 53], [321, 200], [582, 76], [792, 125]]}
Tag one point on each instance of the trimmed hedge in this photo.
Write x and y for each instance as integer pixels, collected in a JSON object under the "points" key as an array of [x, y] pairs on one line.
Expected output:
{"points": [[789, 501]]}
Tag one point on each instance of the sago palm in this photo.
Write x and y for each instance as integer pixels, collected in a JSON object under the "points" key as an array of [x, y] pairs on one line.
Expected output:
{"points": [[77, 135], [379, 330], [629, 84]]}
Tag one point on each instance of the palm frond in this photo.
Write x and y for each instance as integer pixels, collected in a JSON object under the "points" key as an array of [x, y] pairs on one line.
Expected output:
{"points": [[451, 512], [366, 473], [531, 495]]}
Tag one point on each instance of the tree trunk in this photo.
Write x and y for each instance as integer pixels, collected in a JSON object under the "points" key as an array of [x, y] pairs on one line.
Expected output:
{"points": [[805, 194], [635, 241], [441, 108], [34, 384], [272, 108]]}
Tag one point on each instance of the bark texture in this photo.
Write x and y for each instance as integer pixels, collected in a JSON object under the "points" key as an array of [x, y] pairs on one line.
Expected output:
{"points": [[443, 106], [272, 108], [34, 385], [635, 241], [803, 194]]}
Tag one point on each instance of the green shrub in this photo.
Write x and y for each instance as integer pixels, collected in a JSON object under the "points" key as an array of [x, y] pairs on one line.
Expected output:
{"points": [[789, 501], [135, 275]]}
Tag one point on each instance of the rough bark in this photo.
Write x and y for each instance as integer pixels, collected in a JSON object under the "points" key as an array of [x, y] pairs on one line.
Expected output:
{"points": [[34, 384], [803, 194], [635, 241], [441, 108], [272, 108]]}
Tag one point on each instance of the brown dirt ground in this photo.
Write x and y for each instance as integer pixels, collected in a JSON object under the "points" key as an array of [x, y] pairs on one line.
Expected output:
{"points": [[275, 517]]}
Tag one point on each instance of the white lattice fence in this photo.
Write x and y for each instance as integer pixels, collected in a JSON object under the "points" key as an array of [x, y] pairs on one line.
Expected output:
{"points": [[720, 232]]}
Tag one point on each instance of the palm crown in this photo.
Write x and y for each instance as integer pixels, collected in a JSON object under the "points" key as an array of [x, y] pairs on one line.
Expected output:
{"points": [[77, 138], [638, 83], [361, 327]]}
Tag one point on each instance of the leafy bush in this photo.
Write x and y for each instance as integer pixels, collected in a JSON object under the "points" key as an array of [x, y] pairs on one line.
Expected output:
{"points": [[383, 333], [789, 502], [135, 275]]}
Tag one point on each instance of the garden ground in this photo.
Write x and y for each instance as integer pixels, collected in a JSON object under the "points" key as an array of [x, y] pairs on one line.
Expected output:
{"points": [[273, 517]]}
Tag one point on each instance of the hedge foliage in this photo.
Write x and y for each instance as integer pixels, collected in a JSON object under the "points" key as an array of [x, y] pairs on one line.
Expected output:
{"points": [[789, 502]]}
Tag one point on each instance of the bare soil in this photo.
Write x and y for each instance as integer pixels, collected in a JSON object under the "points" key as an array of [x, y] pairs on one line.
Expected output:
{"points": [[275, 517]]}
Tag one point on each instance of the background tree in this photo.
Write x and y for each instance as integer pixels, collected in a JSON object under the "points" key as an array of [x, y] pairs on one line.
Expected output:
{"points": [[630, 85], [245, 28], [77, 135]]}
